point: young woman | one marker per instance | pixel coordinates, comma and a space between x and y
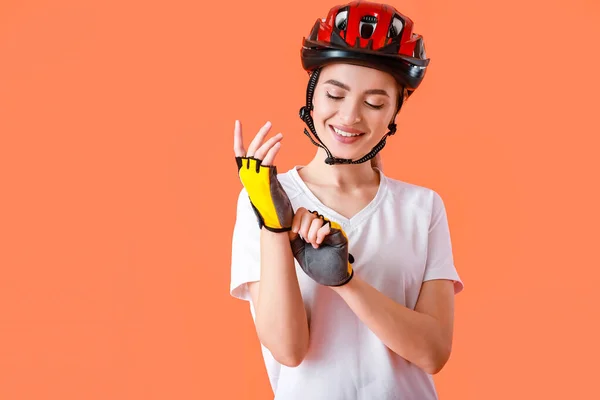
349, 273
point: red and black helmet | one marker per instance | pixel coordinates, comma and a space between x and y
369, 34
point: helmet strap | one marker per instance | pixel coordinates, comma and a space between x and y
305, 111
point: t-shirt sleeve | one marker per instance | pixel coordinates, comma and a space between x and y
245, 251
440, 261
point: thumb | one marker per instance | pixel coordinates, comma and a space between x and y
335, 238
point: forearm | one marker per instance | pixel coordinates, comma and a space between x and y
280, 314
415, 336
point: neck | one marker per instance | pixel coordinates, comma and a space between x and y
342, 176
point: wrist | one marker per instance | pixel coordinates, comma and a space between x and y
347, 287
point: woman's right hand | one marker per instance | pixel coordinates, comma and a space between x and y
329, 265
257, 149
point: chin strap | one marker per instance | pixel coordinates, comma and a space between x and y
307, 118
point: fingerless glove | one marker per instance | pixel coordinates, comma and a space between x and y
271, 204
328, 264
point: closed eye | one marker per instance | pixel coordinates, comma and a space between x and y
376, 107
333, 97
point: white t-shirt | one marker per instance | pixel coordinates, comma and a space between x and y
399, 240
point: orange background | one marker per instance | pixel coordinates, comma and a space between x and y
119, 190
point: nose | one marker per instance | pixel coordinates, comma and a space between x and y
350, 112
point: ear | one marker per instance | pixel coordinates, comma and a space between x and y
400, 100
393, 121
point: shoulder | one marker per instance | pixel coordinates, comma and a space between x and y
288, 183
406, 194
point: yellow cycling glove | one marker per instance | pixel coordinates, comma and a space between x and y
328, 264
268, 198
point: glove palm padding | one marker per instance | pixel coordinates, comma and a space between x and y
328, 264
269, 201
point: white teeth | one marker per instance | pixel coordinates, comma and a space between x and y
346, 134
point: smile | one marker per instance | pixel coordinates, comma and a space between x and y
345, 137
346, 134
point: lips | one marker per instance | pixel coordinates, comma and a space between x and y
346, 139
347, 129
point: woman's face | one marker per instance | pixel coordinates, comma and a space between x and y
353, 100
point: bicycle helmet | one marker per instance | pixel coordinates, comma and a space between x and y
369, 34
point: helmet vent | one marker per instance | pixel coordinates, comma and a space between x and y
419, 51
396, 27
341, 20
367, 26
369, 18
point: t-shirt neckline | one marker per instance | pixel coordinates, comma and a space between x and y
347, 223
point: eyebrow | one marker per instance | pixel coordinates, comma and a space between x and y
346, 87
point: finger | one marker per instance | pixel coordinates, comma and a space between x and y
335, 238
270, 157
258, 139
292, 235
323, 231
238, 141
297, 220
315, 225
307, 219
260, 153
